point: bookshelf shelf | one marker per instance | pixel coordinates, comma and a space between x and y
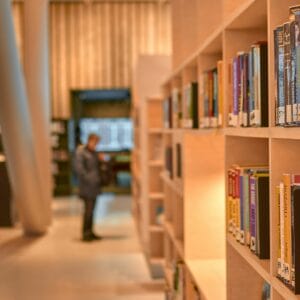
177, 243
210, 277
248, 132
197, 196
262, 267
156, 163
156, 228
155, 131
156, 196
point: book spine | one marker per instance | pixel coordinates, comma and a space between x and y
287, 72
241, 192
210, 97
229, 202
230, 93
251, 88
194, 104
292, 281
280, 77
238, 205
246, 207
220, 94
234, 204
206, 100
170, 112
263, 217
278, 235
263, 88
235, 92
287, 227
296, 210
282, 230
214, 121
257, 86
245, 90
293, 72
253, 213
240, 88
297, 65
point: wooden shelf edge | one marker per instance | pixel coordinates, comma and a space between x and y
156, 163
178, 244
283, 290
157, 261
156, 196
171, 183
258, 132
155, 130
251, 259
207, 275
156, 228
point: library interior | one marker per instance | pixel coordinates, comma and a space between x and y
148, 149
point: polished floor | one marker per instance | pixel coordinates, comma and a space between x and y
59, 266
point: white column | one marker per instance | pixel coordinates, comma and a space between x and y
36, 69
17, 129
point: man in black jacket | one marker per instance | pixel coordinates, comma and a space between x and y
88, 172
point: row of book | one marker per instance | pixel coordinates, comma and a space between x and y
287, 70
58, 127
248, 81
211, 100
288, 233
180, 110
178, 289
248, 207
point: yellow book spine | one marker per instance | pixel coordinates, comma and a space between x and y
229, 213
220, 93
278, 234
287, 227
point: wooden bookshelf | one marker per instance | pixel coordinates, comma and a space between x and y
195, 203
147, 164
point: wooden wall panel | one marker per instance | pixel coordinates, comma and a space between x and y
96, 45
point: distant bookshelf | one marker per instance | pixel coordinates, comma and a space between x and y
61, 160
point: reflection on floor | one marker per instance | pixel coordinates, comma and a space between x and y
58, 266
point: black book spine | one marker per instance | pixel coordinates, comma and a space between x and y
179, 169
264, 218
264, 85
287, 73
194, 99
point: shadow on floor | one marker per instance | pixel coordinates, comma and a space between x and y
106, 238
16, 245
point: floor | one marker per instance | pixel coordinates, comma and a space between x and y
60, 266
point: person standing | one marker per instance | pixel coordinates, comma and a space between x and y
88, 171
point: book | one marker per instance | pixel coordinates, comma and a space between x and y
190, 106
252, 213
220, 93
287, 72
279, 76
178, 160
278, 235
176, 107
282, 246
286, 179
295, 37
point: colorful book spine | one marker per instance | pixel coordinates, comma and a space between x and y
215, 113
220, 93
279, 76
286, 178
282, 230
235, 74
246, 207
278, 235
287, 72
241, 193
253, 213
245, 122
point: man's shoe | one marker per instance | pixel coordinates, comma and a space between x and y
87, 238
96, 237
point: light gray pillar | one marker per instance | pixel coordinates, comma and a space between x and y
36, 69
17, 130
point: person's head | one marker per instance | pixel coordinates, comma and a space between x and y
93, 141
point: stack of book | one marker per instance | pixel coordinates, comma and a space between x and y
248, 207
287, 70
288, 230
249, 88
190, 117
211, 102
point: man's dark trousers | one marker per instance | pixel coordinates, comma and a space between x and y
89, 207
